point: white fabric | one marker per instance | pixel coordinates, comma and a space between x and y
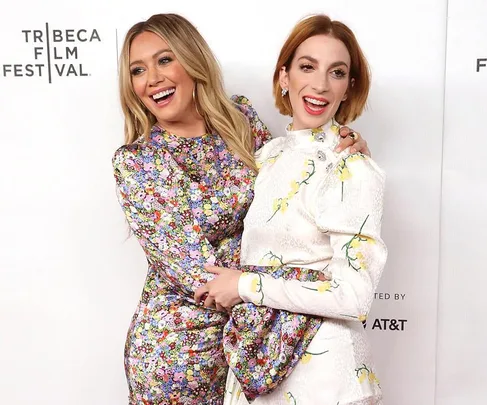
317, 209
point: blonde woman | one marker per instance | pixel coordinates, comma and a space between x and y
185, 181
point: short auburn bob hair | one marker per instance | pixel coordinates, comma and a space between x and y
359, 77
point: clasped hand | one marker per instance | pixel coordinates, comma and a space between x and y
221, 293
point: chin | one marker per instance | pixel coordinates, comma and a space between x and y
311, 124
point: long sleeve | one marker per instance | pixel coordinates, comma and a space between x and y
349, 210
154, 193
259, 129
154, 198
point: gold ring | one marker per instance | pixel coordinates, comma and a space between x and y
353, 135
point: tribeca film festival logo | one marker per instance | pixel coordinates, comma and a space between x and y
55, 53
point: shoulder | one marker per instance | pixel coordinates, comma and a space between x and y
127, 156
243, 104
270, 151
359, 168
353, 191
261, 132
141, 159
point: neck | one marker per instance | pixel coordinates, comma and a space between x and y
193, 127
299, 126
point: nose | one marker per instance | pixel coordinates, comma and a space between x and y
155, 76
321, 82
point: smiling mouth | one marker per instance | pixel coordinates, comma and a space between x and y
163, 95
315, 104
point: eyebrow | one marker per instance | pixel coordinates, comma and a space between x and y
136, 62
313, 60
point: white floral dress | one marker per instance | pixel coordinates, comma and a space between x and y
317, 209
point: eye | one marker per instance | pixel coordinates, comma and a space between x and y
306, 67
164, 60
136, 71
339, 73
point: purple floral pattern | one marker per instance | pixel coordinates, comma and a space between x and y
184, 199
263, 345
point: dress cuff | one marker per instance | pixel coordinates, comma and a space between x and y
250, 288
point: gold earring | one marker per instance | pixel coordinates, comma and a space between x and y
195, 102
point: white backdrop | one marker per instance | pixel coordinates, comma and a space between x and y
69, 276
462, 351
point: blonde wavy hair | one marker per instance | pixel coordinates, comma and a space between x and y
196, 57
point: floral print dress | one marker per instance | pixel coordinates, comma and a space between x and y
185, 200
318, 210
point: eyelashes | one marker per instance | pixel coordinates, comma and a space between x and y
163, 60
136, 71
338, 73
306, 67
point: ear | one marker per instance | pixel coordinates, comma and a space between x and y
352, 83
284, 78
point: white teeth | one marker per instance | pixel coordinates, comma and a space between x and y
315, 102
163, 94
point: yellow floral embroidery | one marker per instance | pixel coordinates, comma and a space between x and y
368, 240
256, 287
294, 187
362, 318
306, 358
270, 259
363, 373
290, 398
342, 169
314, 132
324, 286
270, 160
344, 175
354, 243
281, 204
308, 355
361, 260
356, 156
253, 285
357, 261
238, 392
373, 378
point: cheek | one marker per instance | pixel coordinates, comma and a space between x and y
138, 84
185, 79
298, 81
296, 86
186, 85
341, 90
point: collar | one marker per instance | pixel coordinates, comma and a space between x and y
327, 135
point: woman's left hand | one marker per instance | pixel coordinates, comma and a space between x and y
354, 140
222, 291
